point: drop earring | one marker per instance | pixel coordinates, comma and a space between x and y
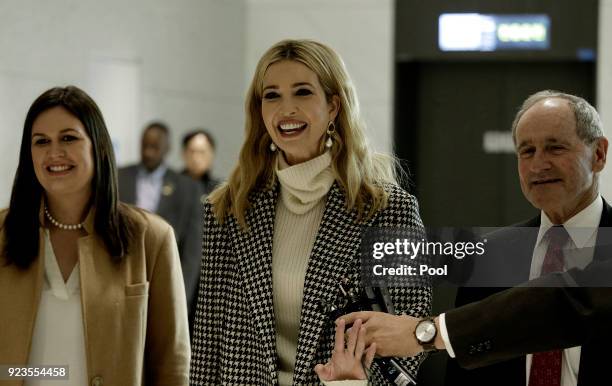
331, 128
273, 146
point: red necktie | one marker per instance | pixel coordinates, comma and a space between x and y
546, 366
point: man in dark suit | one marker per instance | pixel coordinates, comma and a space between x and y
151, 185
561, 151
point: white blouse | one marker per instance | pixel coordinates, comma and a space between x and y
58, 337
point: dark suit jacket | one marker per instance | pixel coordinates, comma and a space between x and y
180, 206
525, 320
207, 183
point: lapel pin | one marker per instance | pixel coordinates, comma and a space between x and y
168, 189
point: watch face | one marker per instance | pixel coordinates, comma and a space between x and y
425, 331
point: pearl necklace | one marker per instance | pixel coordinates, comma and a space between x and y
59, 224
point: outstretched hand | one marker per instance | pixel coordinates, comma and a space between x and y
392, 334
348, 362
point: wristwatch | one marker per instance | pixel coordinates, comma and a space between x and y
425, 333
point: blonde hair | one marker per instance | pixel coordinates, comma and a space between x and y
360, 173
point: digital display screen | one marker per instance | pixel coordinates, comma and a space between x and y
486, 32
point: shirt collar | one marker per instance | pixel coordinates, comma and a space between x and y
156, 174
580, 227
61, 290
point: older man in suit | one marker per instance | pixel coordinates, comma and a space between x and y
153, 186
561, 150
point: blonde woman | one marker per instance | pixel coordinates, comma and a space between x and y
284, 230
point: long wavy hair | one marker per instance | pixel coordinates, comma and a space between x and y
360, 173
22, 223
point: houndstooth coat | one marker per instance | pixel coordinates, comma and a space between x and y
234, 335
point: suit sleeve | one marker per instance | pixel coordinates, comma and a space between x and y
167, 341
539, 317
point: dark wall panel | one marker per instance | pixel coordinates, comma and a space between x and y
573, 27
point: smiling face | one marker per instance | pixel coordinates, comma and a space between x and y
557, 170
295, 110
62, 154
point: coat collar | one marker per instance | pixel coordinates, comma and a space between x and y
328, 265
603, 249
605, 221
253, 249
527, 237
25, 288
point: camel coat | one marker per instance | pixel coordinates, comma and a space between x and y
134, 312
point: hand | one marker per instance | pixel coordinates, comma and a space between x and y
346, 363
392, 334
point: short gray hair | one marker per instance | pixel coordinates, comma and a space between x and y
588, 123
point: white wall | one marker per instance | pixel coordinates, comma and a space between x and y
189, 63
361, 31
180, 61
604, 86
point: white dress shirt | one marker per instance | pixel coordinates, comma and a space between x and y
149, 187
582, 229
58, 336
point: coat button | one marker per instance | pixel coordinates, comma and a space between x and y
97, 381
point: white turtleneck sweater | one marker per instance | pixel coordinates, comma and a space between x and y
298, 215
